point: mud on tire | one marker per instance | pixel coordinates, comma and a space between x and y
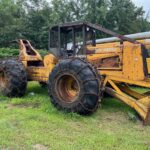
13, 78
74, 86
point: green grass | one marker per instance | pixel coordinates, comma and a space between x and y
32, 122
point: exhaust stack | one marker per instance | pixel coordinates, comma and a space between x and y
137, 36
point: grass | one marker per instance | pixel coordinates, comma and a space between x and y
32, 122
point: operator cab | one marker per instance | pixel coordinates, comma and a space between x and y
70, 39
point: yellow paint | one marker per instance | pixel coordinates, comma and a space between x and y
148, 65
38, 69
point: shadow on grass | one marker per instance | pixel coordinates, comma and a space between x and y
36, 88
113, 104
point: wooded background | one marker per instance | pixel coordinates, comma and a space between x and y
31, 19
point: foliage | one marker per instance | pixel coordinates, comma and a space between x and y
124, 17
9, 52
11, 21
32, 19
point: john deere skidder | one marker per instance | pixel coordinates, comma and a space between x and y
79, 69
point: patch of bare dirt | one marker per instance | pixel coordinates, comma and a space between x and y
39, 147
12, 106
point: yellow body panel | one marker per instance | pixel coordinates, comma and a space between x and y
130, 61
42, 73
148, 64
38, 69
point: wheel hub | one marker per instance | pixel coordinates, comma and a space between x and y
67, 88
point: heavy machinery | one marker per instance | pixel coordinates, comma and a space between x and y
79, 69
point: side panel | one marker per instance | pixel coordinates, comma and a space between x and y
133, 64
148, 65
106, 56
41, 73
120, 60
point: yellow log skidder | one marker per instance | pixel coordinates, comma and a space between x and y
79, 69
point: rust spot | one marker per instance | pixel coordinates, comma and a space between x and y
106, 62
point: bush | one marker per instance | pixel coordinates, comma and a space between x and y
43, 52
10, 52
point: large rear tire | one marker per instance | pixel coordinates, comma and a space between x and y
13, 78
74, 86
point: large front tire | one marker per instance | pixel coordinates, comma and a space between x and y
13, 78
74, 86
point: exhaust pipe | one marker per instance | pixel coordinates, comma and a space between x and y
137, 36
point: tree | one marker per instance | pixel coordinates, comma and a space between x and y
89, 10
37, 22
124, 16
96, 11
11, 21
31, 19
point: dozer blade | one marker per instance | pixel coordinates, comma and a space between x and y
147, 120
139, 102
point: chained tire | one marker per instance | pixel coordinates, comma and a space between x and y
13, 78
74, 86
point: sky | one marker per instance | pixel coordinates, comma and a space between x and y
144, 3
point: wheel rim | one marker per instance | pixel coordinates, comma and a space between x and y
67, 88
3, 80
